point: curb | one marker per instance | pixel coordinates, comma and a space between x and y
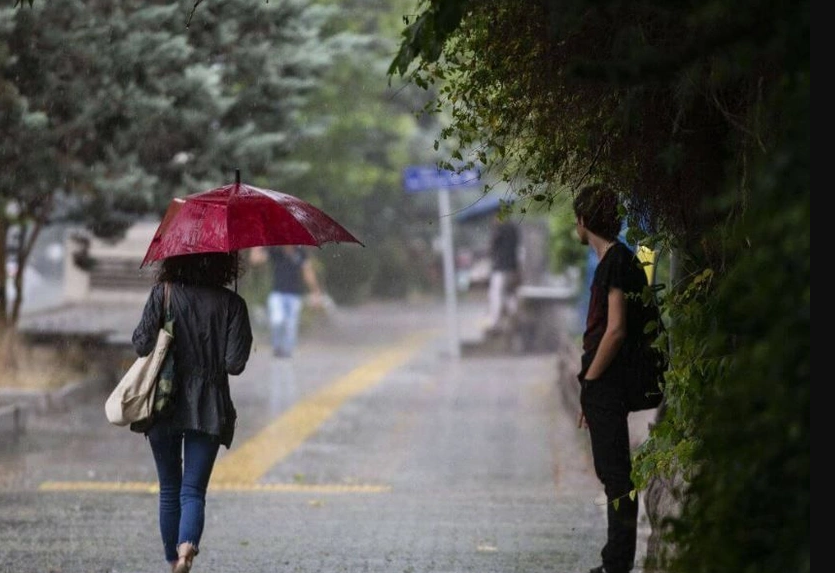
16, 405
13, 420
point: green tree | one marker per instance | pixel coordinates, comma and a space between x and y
698, 115
117, 107
363, 132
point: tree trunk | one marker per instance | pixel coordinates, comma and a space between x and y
10, 315
662, 497
8, 351
662, 500
24, 250
4, 226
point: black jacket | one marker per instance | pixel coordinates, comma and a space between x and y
503, 247
212, 339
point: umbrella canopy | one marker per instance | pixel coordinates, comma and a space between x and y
239, 216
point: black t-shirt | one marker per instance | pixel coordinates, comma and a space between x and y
503, 247
619, 268
287, 270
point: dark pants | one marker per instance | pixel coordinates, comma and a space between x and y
606, 416
184, 463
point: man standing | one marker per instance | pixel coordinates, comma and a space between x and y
614, 326
293, 277
504, 273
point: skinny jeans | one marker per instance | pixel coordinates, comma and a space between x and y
184, 462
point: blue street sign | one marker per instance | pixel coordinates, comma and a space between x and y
418, 178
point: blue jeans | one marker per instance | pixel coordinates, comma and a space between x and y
184, 463
285, 310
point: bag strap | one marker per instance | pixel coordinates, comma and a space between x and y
167, 301
656, 288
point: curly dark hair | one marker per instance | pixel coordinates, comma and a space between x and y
204, 269
599, 208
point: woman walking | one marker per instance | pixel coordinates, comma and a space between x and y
212, 339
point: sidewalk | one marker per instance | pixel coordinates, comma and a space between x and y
477, 463
487, 468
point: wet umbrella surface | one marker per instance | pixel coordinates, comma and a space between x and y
239, 216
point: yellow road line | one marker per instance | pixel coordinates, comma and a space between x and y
153, 487
128, 486
241, 468
251, 460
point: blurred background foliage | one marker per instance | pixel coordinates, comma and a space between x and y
116, 107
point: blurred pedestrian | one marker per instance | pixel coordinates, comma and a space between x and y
212, 339
504, 272
614, 326
293, 276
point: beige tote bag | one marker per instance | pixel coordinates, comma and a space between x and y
133, 398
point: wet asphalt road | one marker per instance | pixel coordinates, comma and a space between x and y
371, 450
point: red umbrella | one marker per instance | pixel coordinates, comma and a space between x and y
239, 216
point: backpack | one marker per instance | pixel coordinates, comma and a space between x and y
648, 364
646, 388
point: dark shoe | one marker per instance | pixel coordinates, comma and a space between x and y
602, 569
